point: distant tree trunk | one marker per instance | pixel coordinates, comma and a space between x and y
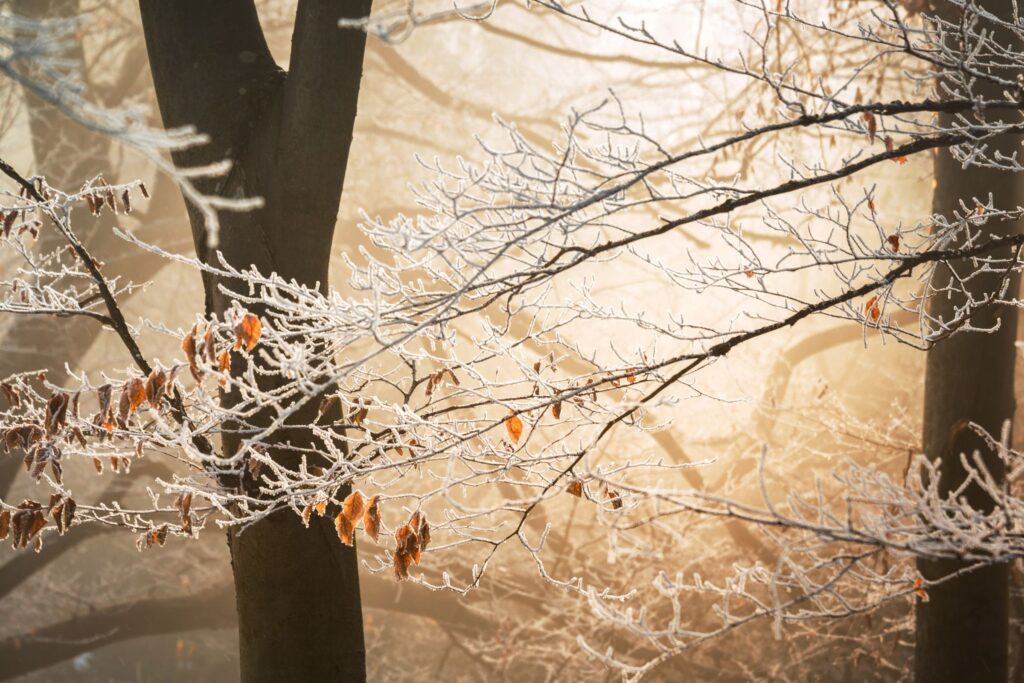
962, 631
67, 154
288, 134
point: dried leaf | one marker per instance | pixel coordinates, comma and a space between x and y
5, 524
423, 532
919, 590
514, 427
872, 310
353, 507
329, 405
136, 391
407, 549
56, 412
872, 125
371, 519
155, 386
209, 347
188, 345
247, 332
894, 242
185, 504
556, 410
360, 415
345, 528
575, 488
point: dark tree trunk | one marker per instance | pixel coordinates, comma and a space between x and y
288, 134
962, 631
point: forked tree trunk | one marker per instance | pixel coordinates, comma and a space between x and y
288, 134
962, 630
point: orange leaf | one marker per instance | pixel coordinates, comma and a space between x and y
556, 410
155, 385
575, 487
919, 590
871, 309
188, 345
345, 528
353, 506
371, 519
514, 426
407, 549
136, 391
247, 332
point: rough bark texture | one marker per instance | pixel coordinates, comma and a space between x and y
288, 134
962, 631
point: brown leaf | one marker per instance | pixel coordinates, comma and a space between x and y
247, 332
329, 405
360, 415
575, 487
894, 242
188, 345
345, 528
136, 391
56, 412
155, 386
402, 563
11, 394
371, 519
209, 346
556, 410
514, 427
306, 513
614, 497
353, 506
872, 126
5, 524
423, 532
67, 515
407, 549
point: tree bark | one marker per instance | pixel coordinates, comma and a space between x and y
288, 136
962, 630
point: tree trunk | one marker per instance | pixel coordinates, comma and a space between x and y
962, 630
288, 135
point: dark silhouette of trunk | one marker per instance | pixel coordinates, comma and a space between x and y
962, 631
288, 135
